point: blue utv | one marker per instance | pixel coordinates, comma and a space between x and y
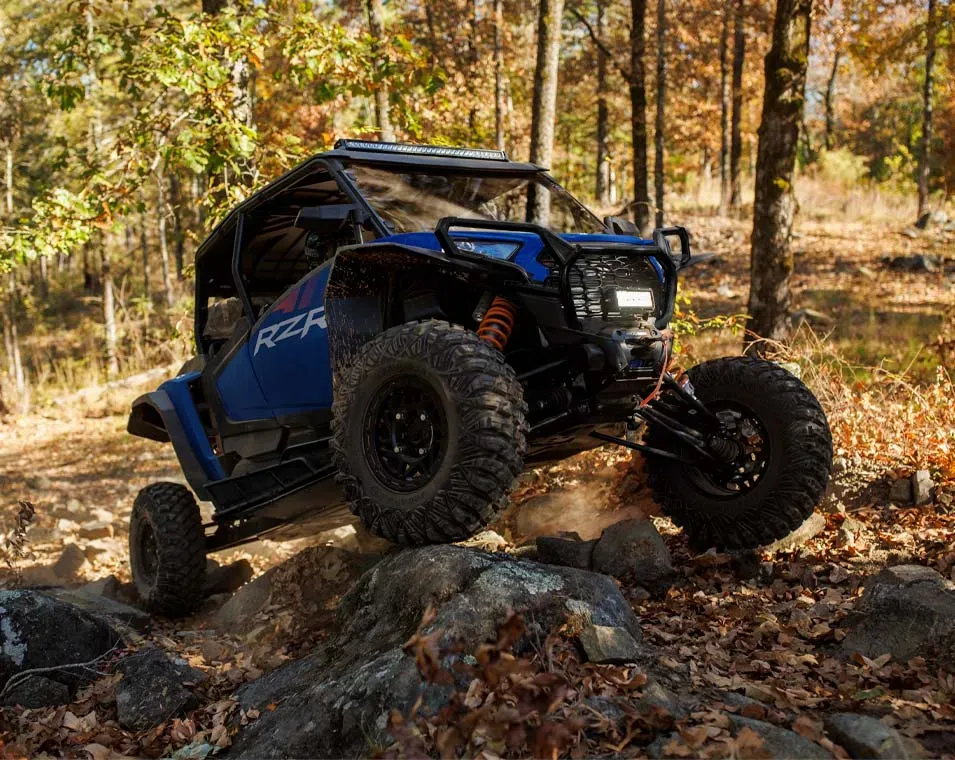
396, 331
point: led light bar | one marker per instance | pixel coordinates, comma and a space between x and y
410, 149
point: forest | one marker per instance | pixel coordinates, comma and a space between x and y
809, 148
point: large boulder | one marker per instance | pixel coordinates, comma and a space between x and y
780, 742
40, 631
868, 737
906, 611
336, 701
634, 551
151, 689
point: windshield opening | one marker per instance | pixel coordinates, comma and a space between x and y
414, 201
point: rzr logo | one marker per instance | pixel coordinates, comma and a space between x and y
290, 328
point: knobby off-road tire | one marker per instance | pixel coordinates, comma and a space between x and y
796, 471
167, 549
478, 428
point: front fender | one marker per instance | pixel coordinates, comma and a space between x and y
169, 415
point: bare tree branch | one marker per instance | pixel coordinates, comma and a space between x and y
621, 69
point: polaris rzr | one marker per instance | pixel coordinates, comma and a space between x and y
381, 333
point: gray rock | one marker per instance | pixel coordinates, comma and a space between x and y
655, 694
40, 631
151, 690
867, 737
335, 702
907, 610
932, 219
105, 607
604, 644
71, 561
900, 492
566, 552
108, 588
225, 580
811, 528
850, 529
634, 551
780, 742
37, 691
922, 485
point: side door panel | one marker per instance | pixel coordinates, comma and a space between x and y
288, 349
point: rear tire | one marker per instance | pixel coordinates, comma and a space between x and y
429, 433
796, 469
167, 549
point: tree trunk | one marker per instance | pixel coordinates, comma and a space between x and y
144, 245
638, 115
109, 319
736, 141
8, 182
603, 120
658, 137
771, 260
376, 26
830, 89
545, 103
472, 65
925, 143
16, 360
179, 235
163, 238
725, 110
500, 96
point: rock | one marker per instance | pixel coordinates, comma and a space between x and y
150, 690
66, 527
96, 548
486, 540
343, 537
746, 565
566, 552
922, 485
38, 482
39, 576
69, 564
655, 694
900, 492
811, 528
319, 575
96, 529
907, 610
108, 588
102, 605
932, 219
604, 644
865, 736
911, 233
793, 368
37, 691
336, 701
850, 529
634, 551
102, 515
780, 742
918, 262
225, 580
39, 631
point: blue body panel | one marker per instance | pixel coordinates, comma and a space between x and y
530, 245
177, 390
284, 367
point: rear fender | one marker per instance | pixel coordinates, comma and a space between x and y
364, 296
169, 414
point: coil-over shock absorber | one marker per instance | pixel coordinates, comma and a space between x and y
498, 323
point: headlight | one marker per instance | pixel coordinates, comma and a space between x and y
492, 249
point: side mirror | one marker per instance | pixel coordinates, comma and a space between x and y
663, 235
619, 225
330, 218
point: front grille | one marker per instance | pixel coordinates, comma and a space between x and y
593, 277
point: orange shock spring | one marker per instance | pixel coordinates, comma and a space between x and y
498, 323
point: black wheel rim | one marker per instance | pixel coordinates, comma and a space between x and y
405, 434
744, 445
148, 553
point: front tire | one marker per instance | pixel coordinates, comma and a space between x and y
167, 549
779, 491
429, 433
